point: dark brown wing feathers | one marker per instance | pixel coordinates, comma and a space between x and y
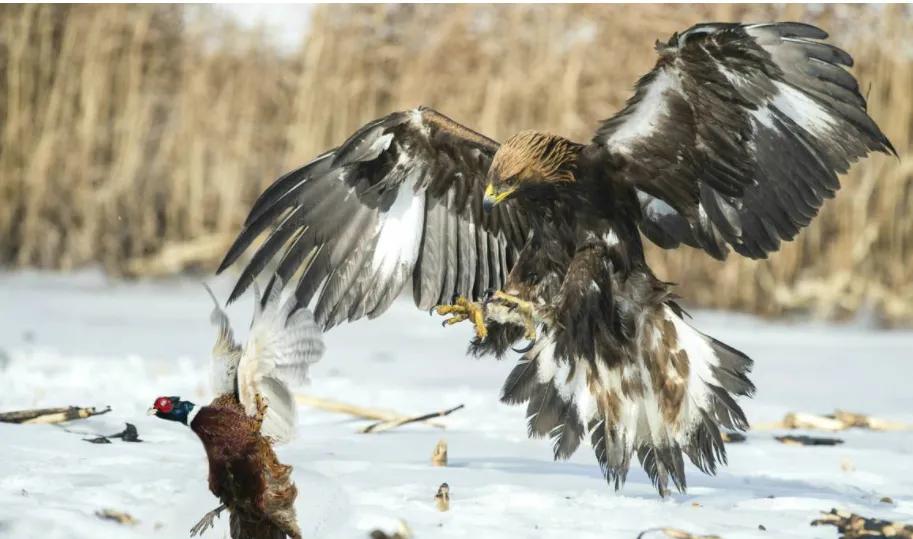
399, 200
738, 135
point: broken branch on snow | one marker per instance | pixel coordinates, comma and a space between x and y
46, 416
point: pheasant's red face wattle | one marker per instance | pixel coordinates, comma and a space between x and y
163, 404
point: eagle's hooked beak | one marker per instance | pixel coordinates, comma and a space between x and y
492, 198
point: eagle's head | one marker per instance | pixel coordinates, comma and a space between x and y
530, 163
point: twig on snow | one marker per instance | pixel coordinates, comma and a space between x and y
387, 425
675, 533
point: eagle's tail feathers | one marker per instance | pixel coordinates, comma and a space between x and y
664, 397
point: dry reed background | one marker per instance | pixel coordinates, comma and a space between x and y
136, 137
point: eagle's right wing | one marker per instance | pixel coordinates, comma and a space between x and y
400, 199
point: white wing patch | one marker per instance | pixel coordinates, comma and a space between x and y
279, 351
400, 235
648, 113
803, 110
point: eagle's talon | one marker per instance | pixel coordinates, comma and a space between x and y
463, 309
525, 349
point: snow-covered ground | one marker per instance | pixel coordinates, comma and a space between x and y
84, 340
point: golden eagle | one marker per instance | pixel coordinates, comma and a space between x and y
733, 140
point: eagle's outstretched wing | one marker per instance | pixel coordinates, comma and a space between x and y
400, 199
738, 134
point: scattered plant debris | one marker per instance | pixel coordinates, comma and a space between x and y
839, 420
439, 456
402, 532
129, 434
385, 418
387, 425
442, 498
675, 533
733, 437
98, 440
117, 516
853, 526
808, 440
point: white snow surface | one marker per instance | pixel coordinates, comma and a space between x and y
82, 339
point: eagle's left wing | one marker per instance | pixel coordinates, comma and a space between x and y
738, 134
400, 200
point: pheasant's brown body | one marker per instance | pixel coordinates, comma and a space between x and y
244, 472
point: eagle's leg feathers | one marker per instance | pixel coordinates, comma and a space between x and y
526, 309
464, 309
207, 521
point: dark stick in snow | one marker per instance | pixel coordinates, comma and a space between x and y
387, 425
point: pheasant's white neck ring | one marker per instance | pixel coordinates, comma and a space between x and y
194, 410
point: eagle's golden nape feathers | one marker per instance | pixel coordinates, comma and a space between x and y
534, 156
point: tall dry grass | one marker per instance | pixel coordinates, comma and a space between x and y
137, 137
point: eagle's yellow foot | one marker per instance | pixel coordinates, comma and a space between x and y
463, 309
526, 309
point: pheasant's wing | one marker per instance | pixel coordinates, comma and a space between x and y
281, 347
400, 200
225, 352
738, 135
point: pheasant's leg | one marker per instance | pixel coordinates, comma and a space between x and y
527, 310
463, 309
207, 521
261, 409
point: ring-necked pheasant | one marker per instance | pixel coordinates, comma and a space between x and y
253, 409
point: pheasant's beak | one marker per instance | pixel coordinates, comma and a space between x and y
493, 198
151, 411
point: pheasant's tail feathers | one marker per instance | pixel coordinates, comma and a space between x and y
279, 498
664, 396
242, 526
276, 516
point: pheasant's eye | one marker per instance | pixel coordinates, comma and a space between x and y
163, 404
